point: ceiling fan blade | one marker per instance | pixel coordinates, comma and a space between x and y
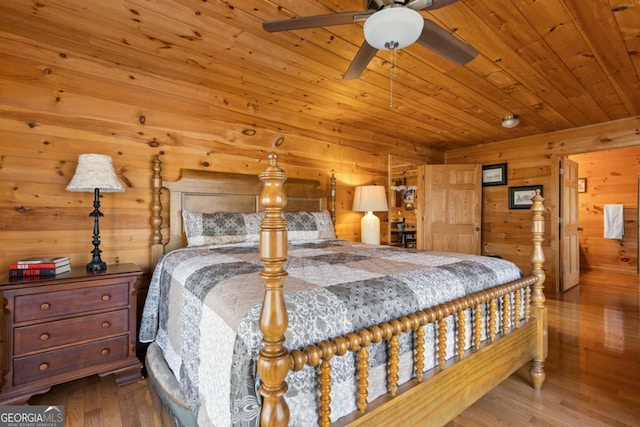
360, 61
446, 44
316, 21
413, 4
437, 4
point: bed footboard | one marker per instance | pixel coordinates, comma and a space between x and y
484, 364
504, 310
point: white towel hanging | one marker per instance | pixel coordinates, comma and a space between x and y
613, 221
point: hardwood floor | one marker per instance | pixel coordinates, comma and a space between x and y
593, 372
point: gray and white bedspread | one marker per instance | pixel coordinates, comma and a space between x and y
203, 305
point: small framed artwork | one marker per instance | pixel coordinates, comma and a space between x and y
520, 197
494, 174
409, 197
582, 185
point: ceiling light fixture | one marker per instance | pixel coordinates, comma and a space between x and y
510, 121
393, 28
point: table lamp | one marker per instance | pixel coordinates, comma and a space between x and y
95, 173
370, 198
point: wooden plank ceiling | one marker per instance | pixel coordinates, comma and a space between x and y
555, 63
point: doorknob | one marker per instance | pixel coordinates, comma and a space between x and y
580, 229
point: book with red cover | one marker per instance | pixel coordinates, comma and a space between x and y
28, 272
24, 266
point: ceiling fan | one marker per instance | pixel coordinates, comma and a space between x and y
389, 25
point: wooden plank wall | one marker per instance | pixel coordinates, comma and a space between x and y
534, 160
58, 99
611, 177
59, 102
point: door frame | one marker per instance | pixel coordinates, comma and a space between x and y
552, 204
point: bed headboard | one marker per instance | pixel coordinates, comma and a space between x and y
206, 191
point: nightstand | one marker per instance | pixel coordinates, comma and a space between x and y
61, 328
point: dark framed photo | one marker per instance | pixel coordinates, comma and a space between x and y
520, 197
494, 174
582, 185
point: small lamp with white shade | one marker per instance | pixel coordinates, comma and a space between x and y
95, 173
369, 199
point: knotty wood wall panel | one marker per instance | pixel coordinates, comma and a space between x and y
535, 160
57, 103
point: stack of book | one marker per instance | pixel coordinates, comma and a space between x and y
39, 266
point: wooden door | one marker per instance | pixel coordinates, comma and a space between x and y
569, 239
450, 208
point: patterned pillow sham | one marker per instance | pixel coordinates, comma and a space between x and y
221, 227
229, 227
309, 226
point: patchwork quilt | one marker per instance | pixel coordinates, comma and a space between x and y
204, 302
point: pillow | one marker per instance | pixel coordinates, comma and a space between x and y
309, 226
221, 227
326, 228
229, 227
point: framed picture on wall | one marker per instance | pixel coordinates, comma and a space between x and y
494, 174
520, 197
582, 185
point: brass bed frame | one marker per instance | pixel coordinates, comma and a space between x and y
436, 396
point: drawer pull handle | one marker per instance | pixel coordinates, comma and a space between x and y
106, 297
106, 325
45, 306
105, 351
43, 366
44, 337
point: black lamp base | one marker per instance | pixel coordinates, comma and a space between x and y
96, 264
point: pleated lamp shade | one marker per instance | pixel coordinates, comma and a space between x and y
95, 171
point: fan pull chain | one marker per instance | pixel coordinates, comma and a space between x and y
392, 76
392, 46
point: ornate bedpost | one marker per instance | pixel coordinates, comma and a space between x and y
273, 360
332, 198
538, 309
157, 248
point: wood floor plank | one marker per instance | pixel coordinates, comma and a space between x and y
110, 403
74, 415
93, 418
128, 408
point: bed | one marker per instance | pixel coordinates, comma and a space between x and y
272, 320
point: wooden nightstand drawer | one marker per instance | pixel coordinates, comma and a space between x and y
44, 365
53, 304
65, 327
77, 329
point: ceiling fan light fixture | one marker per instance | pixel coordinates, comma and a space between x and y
510, 121
393, 28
